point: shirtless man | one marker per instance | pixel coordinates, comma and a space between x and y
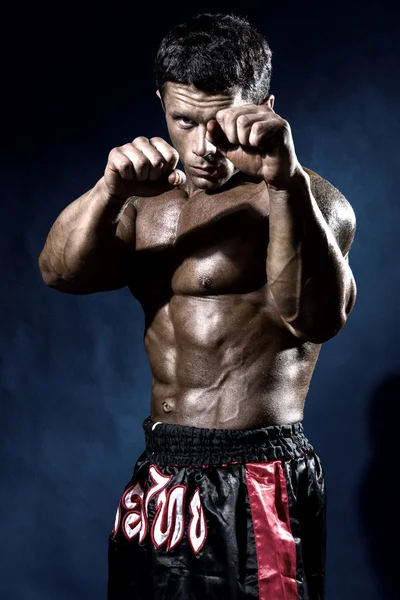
240, 264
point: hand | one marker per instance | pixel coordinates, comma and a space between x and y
257, 141
144, 167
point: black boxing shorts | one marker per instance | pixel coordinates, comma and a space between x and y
214, 514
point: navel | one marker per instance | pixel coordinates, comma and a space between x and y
206, 282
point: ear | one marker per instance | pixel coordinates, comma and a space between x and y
270, 101
161, 100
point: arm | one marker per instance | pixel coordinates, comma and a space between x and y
312, 228
91, 244
311, 225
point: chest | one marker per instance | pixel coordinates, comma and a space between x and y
208, 244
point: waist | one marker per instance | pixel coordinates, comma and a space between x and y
242, 403
170, 444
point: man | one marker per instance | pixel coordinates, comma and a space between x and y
241, 266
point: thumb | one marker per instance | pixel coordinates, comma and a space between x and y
177, 178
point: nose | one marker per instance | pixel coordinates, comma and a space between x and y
202, 147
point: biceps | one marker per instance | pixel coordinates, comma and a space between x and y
114, 268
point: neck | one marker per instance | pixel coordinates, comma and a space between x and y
235, 180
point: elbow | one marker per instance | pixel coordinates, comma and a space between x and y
52, 281
319, 327
351, 297
51, 278
315, 332
44, 270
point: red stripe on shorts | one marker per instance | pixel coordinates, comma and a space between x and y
275, 545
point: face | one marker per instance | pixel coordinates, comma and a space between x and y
187, 111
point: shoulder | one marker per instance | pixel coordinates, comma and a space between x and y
336, 209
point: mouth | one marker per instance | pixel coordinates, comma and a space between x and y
205, 172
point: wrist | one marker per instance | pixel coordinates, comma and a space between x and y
105, 196
298, 182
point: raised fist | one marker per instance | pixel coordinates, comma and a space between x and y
144, 167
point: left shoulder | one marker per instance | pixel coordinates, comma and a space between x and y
336, 209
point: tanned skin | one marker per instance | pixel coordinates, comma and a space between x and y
226, 348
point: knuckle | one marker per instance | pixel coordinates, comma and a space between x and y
113, 154
173, 155
124, 165
140, 162
170, 156
165, 151
243, 120
228, 114
157, 140
219, 116
158, 163
258, 126
141, 139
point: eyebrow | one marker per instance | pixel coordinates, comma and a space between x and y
178, 115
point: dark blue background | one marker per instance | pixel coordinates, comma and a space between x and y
74, 379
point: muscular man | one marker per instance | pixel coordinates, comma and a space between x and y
240, 264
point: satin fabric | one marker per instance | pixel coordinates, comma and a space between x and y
191, 532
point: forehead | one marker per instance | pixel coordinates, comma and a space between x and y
196, 103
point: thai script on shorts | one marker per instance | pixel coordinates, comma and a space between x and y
168, 526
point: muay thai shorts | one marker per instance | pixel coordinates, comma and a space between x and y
214, 514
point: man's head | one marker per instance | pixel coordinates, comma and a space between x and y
209, 63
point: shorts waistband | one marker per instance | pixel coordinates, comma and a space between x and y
182, 445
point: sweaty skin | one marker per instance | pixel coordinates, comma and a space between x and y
195, 257
219, 352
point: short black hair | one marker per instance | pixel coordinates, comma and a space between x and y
216, 53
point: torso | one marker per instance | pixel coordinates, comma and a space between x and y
219, 352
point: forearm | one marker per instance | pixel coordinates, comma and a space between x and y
81, 235
310, 280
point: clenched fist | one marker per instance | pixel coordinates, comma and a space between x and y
144, 167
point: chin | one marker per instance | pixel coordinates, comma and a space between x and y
206, 184
210, 184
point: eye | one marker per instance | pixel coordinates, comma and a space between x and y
185, 123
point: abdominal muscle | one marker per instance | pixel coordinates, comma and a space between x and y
226, 362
